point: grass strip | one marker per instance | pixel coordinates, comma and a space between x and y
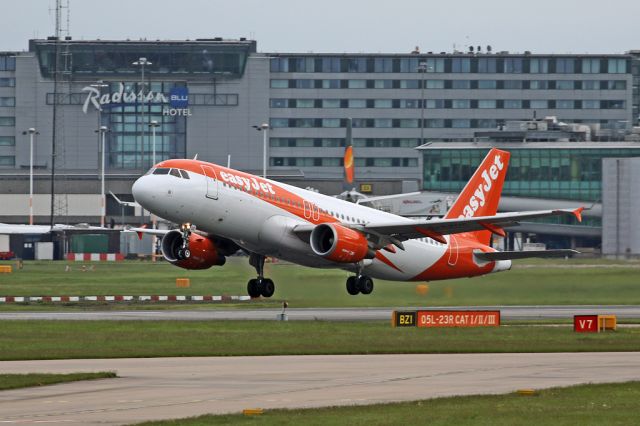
17, 381
593, 404
43, 339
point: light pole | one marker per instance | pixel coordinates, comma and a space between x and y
102, 130
142, 62
31, 131
264, 128
153, 124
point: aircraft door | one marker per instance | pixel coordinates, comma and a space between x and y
307, 209
212, 182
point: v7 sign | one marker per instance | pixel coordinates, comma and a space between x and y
585, 323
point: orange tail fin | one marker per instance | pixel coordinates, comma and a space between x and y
481, 195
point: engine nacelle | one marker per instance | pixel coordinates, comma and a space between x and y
203, 252
339, 244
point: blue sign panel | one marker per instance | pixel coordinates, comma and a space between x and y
179, 97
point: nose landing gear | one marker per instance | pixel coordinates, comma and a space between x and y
184, 252
260, 286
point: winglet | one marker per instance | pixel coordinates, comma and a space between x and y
578, 213
140, 233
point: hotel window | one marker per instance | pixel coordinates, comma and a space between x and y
460, 123
461, 65
539, 66
486, 103
564, 104
564, 85
435, 84
7, 63
304, 84
434, 103
279, 122
331, 122
435, 65
590, 66
357, 103
565, 66
460, 103
7, 82
382, 84
408, 64
409, 103
279, 103
590, 84
461, 84
612, 104
382, 103
7, 160
487, 65
539, 84
382, 122
512, 104
329, 64
305, 103
513, 84
7, 121
7, 140
383, 65
487, 84
357, 84
409, 84
487, 124
513, 65
409, 122
331, 103
538, 104
617, 85
357, 64
279, 84
617, 66
7, 101
590, 104
330, 84
434, 123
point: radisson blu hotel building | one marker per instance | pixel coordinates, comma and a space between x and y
417, 118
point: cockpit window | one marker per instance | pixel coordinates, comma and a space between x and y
150, 171
161, 171
184, 174
175, 172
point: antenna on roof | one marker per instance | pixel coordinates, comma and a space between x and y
195, 157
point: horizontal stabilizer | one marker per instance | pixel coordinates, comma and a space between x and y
510, 255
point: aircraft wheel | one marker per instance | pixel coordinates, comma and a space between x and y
365, 284
352, 287
268, 287
187, 253
253, 288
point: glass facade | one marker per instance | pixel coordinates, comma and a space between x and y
127, 148
116, 58
574, 174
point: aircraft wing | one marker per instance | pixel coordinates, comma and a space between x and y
143, 230
436, 228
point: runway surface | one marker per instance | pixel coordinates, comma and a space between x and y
324, 314
160, 388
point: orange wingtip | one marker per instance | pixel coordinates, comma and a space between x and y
578, 213
140, 233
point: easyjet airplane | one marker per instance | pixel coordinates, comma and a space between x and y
222, 210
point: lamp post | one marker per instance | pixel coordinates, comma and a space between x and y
102, 130
153, 124
31, 131
142, 62
264, 128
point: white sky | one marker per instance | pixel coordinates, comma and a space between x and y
389, 26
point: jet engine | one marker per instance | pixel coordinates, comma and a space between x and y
340, 244
199, 253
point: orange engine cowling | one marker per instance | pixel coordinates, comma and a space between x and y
203, 252
340, 244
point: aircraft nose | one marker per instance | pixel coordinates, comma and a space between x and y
141, 190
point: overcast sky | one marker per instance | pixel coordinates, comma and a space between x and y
389, 26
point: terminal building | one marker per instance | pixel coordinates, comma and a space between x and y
165, 99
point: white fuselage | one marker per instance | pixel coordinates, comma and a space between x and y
260, 214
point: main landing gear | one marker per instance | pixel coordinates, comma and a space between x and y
260, 286
359, 284
183, 251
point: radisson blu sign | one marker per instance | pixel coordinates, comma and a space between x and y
178, 100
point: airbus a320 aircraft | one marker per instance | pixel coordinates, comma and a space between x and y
222, 210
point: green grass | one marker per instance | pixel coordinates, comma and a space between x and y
594, 404
17, 381
575, 281
120, 339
